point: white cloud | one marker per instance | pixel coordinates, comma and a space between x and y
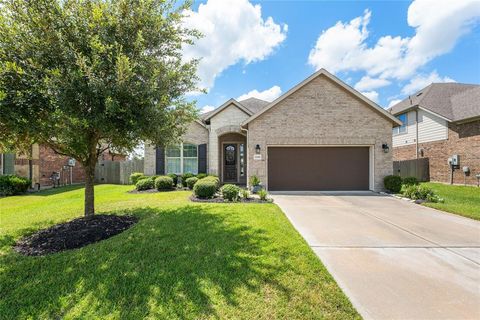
337, 45
393, 102
367, 83
372, 95
422, 80
234, 31
206, 109
267, 95
344, 46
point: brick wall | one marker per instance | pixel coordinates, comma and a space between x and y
49, 162
463, 139
196, 134
321, 113
228, 120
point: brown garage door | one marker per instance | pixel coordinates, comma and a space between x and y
318, 168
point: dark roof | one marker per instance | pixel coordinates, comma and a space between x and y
206, 114
252, 104
454, 101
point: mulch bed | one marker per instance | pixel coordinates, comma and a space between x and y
219, 199
73, 234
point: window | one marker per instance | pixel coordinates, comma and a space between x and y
182, 158
403, 128
190, 158
173, 159
242, 159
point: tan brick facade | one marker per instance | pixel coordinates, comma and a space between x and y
463, 139
321, 113
228, 120
196, 134
149, 160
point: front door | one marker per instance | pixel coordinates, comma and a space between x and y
230, 173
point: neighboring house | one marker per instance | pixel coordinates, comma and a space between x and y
43, 163
320, 135
440, 121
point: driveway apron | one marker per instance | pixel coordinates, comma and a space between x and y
394, 259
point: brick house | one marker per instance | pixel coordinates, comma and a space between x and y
320, 135
43, 162
440, 121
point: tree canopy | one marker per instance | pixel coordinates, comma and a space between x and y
83, 75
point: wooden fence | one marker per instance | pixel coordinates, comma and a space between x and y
418, 168
117, 172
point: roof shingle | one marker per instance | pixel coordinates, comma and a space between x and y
454, 101
252, 104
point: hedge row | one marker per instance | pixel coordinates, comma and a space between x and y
12, 184
394, 183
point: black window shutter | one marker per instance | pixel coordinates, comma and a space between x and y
202, 158
160, 160
9, 163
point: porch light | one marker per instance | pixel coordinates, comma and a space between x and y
385, 148
257, 149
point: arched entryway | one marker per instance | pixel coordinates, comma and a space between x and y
233, 158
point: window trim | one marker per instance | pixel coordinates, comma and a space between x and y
181, 157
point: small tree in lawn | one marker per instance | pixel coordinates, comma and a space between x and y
83, 75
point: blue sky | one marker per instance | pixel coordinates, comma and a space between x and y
266, 47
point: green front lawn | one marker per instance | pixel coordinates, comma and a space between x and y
182, 260
461, 200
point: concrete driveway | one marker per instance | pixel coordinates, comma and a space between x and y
394, 259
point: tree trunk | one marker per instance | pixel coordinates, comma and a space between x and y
89, 190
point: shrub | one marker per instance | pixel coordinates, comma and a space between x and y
213, 179
245, 193
134, 177
191, 182
145, 184
254, 181
205, 188
263, 194
185, 176
410, 181
434, 198
415, 192
410, 192
230, 192
201, 175
174, 178
393, 183
164, 183
11, 185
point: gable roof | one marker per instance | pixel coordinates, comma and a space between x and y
342, 84
254, 104
451, 101
211, 114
